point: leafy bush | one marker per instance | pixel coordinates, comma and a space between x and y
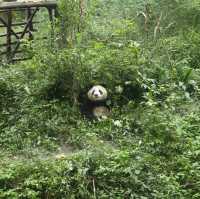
147, 148
89, 175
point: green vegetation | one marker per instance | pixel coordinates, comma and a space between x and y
149, 147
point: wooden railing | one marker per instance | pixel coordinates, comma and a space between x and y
12, 39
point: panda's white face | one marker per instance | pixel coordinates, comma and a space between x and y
97, 93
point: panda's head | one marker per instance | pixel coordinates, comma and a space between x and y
97, 93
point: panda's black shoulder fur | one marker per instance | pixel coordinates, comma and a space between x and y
88, 106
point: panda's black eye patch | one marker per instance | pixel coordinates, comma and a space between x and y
93, 92
101, 92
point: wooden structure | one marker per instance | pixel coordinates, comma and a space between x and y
12, 38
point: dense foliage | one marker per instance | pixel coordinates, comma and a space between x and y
146, 53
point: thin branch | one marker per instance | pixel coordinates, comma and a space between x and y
145, 20
157, 27
94, 188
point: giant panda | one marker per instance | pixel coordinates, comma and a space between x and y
95, 106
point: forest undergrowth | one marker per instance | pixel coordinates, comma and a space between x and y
146, 53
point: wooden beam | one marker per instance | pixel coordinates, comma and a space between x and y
14, 9
20, 59
13, 5
5, 44
18, 33
20, 24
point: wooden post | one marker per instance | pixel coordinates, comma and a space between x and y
56, 14
50, 14
30, 27
50, 11
8, 28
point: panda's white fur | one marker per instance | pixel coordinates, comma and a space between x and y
101, 112
97, 93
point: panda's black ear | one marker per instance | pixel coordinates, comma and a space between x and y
89, 86
104, 85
